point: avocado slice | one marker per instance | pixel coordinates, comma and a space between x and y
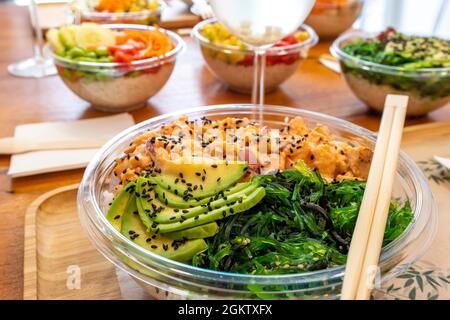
179, 202
135, 230
54, 40
152, 210
115, 212
199, 232
67, 36
246, 203
199, 179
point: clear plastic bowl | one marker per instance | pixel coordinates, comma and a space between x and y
118, 87
428, 89
83, 12
234, 66
331, 19
167, 279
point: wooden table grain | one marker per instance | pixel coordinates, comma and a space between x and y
313, 87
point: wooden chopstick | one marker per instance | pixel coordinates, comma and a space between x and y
364, 221
370, 266
360, 238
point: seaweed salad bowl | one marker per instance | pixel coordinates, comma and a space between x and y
167, 279
372, 72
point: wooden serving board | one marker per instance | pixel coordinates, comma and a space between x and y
59, 260
56, 247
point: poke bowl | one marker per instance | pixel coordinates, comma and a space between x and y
330, 18
146, 12
374, 65
232, 62
115, 67
189, 267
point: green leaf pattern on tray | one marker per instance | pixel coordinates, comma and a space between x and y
419, 282
434, 171
422, 280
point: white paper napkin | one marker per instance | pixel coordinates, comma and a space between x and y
37, 162
444, 161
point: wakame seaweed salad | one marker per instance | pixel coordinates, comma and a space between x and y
409, 53
302, 224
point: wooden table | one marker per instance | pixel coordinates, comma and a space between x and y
28, 100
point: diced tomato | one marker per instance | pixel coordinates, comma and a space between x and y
290, 39
120, 56
248, 60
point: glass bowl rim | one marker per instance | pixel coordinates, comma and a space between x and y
180, 46
310, 42
88, 185
337, 52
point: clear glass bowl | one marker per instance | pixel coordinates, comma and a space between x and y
167, 279
83, 12
117, 86
234, 66
428, 89
331, 19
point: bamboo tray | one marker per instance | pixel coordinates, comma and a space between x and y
56, 248
59, 260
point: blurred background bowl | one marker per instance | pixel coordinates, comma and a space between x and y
118, 87
332, 17
234, 66
83, 11
428, 89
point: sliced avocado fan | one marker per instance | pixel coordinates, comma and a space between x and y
175, 201
199, 180
162, 212
247, 202
146, 214
171, 213
133, 228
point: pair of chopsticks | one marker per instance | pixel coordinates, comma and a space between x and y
365, 248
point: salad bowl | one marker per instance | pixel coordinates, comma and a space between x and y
428, 87
117, 84
330, 18
233, 63
167, 279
